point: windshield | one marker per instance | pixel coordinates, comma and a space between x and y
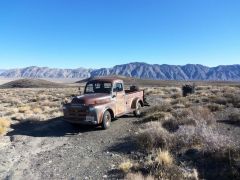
98, 87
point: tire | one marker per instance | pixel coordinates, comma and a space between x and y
106, 120
138, 112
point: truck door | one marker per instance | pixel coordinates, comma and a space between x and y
120, 98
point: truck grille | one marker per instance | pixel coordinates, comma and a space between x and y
77, 112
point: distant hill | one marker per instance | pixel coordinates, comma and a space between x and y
2, 70
136, 70
45, 72
157, 83
133, 81
31, 83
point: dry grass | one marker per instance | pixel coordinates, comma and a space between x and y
164, 158
138, 176
34, 104
235, 117
4, 124
158, 116
37, 110
153, 135
126, 166
24, 109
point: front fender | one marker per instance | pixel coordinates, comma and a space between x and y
104, 110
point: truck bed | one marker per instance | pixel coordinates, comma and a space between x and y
131, 95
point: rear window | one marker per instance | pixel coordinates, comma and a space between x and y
98, 87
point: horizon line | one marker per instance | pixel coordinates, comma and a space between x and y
88, 68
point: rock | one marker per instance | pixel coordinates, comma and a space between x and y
105, 176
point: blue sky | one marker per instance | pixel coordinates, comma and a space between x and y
103, 33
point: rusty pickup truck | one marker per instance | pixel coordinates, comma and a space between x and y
103, 100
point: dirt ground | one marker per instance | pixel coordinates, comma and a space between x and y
54, 149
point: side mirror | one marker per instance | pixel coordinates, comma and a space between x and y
113, 96
79, 89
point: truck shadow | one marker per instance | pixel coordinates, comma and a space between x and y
127, 145
55, 127
230, 122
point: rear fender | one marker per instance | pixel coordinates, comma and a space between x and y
135, 102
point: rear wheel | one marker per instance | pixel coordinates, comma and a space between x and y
106, 120
138, 110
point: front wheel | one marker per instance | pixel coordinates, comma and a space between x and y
106, 120
138, 109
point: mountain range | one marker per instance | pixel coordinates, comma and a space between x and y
135, 69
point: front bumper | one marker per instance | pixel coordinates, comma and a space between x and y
80, 120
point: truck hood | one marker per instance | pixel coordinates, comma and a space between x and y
92, 99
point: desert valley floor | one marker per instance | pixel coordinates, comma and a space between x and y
192, 137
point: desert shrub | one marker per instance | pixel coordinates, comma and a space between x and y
126, 166
14, 101
172, 125
24, 109
175, 89
203, 137
160, 164
164, 158
4, 124
181, 113
138, 176
10, 112
201, 88
233, 98
213, 107
191, 174
214, 164
37, 110
205, 99
220, 100
46, 109
18, 117
178, 106
154, 136
188, 89
163, 106
234, 117
56, 114
34, 117
155, 91
157, 116
175, 95
202, 115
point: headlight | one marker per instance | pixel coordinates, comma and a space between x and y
91, 109
64, 107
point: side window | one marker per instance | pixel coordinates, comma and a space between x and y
97, 85
108, 85
118, 87
89, 88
